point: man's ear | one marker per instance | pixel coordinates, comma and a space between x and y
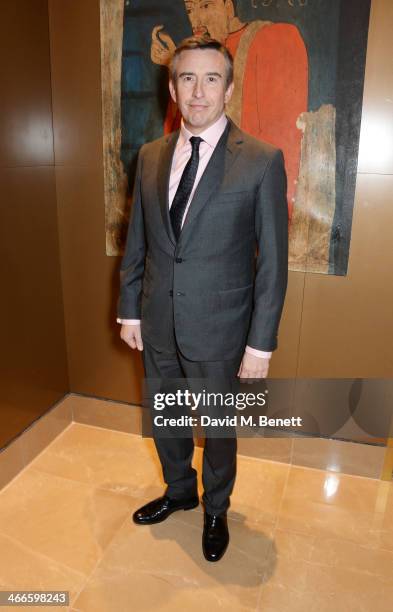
229, 92
172, 90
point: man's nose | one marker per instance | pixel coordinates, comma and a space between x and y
195, 16
198, 89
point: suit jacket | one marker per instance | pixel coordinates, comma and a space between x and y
223, 284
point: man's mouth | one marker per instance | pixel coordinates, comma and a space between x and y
201, 31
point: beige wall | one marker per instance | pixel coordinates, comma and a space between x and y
33, 361
99, 364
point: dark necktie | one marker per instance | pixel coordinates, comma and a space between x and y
184, 189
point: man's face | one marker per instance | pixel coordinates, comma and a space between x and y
208, 17
200, 89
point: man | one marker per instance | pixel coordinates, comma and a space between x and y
205, 198
270, 74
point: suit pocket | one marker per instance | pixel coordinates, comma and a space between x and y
231, 196
236, 297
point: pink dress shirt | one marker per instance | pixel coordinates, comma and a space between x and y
182, 153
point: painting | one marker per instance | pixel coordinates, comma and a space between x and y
299, 77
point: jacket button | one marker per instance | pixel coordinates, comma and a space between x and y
171, 293
178, 259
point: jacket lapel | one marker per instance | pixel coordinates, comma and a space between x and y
224, 155
164, 171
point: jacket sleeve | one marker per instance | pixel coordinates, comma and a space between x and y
133, 262
271, 226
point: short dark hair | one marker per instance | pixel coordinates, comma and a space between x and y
202, 42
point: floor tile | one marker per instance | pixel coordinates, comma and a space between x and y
300, 538
325, 503
162, 567
66, 521
119, 462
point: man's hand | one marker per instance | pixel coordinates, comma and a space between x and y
253, 367
131, 334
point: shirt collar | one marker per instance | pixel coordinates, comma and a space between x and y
211, 135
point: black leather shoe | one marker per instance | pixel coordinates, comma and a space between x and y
159, 509
215, 537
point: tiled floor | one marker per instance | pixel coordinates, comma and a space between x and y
300, 538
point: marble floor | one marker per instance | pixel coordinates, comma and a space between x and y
301, 538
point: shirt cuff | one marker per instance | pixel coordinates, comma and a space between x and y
128, 321
257, 353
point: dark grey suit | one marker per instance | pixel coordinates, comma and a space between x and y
207, 296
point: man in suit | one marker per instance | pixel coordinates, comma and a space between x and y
194, 296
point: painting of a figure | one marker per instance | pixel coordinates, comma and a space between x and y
298, 72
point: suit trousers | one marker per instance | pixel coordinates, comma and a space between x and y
176, 453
